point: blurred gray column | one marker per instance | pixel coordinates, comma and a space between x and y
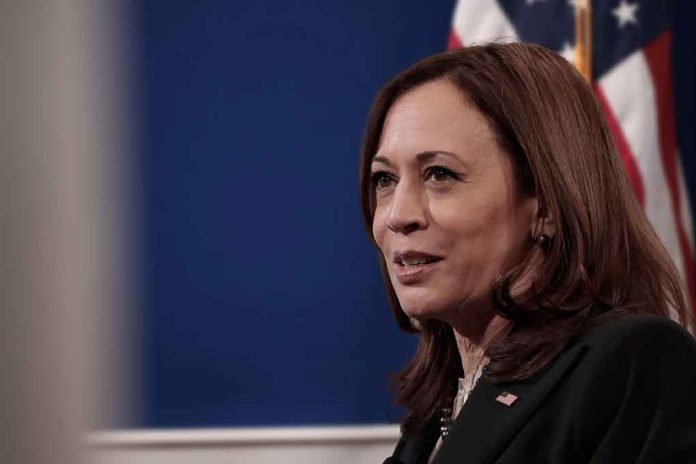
65, 225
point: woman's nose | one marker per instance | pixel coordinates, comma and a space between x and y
406, 213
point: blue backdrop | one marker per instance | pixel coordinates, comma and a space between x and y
263, 303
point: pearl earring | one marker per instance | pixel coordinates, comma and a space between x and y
542, 240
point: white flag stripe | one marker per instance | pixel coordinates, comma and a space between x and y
629, 91
477, 21
687, 223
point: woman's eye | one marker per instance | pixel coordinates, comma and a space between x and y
382, 179
439, 174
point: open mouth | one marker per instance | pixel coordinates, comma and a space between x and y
413, 258
412, 266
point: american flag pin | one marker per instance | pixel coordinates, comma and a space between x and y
506, 398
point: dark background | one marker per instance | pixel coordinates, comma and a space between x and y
262, 301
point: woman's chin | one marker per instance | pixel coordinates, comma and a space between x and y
440, 309
421, 313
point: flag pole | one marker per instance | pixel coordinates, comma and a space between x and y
583, 38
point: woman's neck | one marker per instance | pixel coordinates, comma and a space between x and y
473, 336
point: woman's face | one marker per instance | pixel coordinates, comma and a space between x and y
448, 217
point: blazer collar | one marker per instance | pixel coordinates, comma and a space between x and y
485, 426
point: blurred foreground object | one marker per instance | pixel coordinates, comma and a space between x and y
63, 178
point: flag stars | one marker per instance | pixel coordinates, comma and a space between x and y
626, 13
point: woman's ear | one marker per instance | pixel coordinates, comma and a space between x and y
543, 225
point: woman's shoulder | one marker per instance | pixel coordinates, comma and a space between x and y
625, 327
640, 337
631, 389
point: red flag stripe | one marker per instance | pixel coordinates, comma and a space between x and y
657, 55
453, 42
629, 160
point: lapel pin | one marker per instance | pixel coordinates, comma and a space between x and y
506, 398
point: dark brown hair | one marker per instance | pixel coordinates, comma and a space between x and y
604, 257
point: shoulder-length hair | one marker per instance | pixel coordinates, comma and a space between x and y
604, 256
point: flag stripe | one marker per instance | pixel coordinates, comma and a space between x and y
629, 91
481, 20
658, 59
453, 41
685, 207
629, 160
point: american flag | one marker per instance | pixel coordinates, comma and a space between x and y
631, 77
506, 398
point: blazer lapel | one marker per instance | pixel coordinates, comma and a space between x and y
486, 425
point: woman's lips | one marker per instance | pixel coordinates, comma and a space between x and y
411, 274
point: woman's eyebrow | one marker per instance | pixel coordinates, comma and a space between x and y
429, 155
383, 160
422, 157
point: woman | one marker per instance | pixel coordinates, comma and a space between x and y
511, 242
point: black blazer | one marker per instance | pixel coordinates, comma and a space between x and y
625, 393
